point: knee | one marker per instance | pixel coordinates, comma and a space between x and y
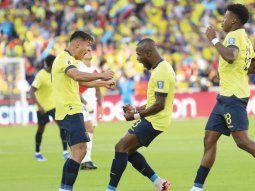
121, 147
90, 130
78, 152
82, 149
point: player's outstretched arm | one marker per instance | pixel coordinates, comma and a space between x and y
79, 76
228, 53
110, 84
251, 69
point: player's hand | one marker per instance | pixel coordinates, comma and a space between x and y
129, 116
211, 33
110, 84
41, 110
107, 75
128, 108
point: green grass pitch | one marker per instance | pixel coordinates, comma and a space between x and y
174, 155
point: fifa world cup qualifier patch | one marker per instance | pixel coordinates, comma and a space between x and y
160, 84
231, 41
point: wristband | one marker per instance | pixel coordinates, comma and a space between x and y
215, 41
137, 116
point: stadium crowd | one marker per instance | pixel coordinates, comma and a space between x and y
33, 29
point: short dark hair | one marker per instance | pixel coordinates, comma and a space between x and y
49, 60
146, 40
81, 35
240, 11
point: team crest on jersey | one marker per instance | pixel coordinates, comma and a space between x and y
231, 41
69, 62
160, 84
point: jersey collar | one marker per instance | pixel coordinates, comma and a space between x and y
68, 52
155, 66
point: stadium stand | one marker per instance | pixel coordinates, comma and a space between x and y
33, 29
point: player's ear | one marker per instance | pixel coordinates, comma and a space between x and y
149, 53
77, 44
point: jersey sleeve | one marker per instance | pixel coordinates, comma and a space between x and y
161, 83
69, 64
37, 82
233, 40
66, 63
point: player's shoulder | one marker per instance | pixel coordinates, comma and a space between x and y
62, 56
164, 67
237, 33
40, 73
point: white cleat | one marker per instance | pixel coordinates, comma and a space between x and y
162, 185
39, 157
196, 189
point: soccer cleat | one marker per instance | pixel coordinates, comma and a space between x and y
39, 157
66, 155
196, 189
88, 166
163, 185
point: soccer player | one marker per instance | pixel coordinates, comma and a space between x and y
229, 116
66, 79
41, 93
93, 103
153, 118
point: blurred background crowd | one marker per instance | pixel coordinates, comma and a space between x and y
32, 29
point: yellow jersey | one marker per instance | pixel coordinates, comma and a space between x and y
233, 77
161, 82
42, 83
65, 89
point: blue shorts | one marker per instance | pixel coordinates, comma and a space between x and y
145, 132
75, 129
43, 119
228, 115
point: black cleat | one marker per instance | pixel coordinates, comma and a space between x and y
88, 166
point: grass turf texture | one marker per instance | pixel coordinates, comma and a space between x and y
175, 155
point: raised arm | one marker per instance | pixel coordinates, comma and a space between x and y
230, 52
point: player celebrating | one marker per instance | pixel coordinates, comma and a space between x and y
92, 98
229, 115
41, 93
65, 81
153, 118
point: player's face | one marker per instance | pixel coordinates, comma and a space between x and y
82, 48
229, 20
142, 57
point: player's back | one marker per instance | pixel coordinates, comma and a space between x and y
44, 93
162, 81
233, 77
65, 89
